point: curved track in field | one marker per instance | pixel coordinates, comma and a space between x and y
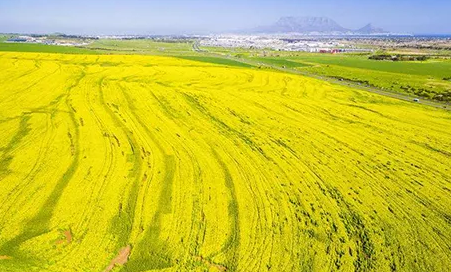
132, 163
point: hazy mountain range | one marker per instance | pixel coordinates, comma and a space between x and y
309, 25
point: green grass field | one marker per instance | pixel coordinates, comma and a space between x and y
217, 60
432, 68
425, 81
105, 47
143, 47
432, 88
29, 47
280, 62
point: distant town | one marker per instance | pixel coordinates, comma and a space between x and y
278, 42
281, 43
228, 41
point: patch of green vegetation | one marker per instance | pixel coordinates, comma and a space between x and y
281, 62
230, 51
399, 57
3, 38
429, 68
422, 86
143, 46
6, 158
29, 47
215, 60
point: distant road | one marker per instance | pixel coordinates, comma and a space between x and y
423, 101
197, 48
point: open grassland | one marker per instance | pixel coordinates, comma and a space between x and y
32, 47
138, 163
217, 60
280, 62
429, 79
433, 68
419, 86
143, 46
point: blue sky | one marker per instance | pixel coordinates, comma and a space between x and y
203, 16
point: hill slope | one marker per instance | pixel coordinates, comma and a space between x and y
370, 29
303, 25
312, 25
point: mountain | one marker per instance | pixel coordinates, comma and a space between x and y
370, 29
312, 25
303, 25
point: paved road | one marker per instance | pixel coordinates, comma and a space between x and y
423, 101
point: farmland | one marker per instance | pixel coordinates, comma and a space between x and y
428, 79
144, 46
27, 47
155, 163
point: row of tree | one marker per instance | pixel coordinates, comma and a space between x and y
399, 57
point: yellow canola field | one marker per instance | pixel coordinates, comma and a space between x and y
139, 163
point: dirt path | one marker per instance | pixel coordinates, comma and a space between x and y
120, 259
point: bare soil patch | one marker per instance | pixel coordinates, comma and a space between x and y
68, 237
211, 264
120, 259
